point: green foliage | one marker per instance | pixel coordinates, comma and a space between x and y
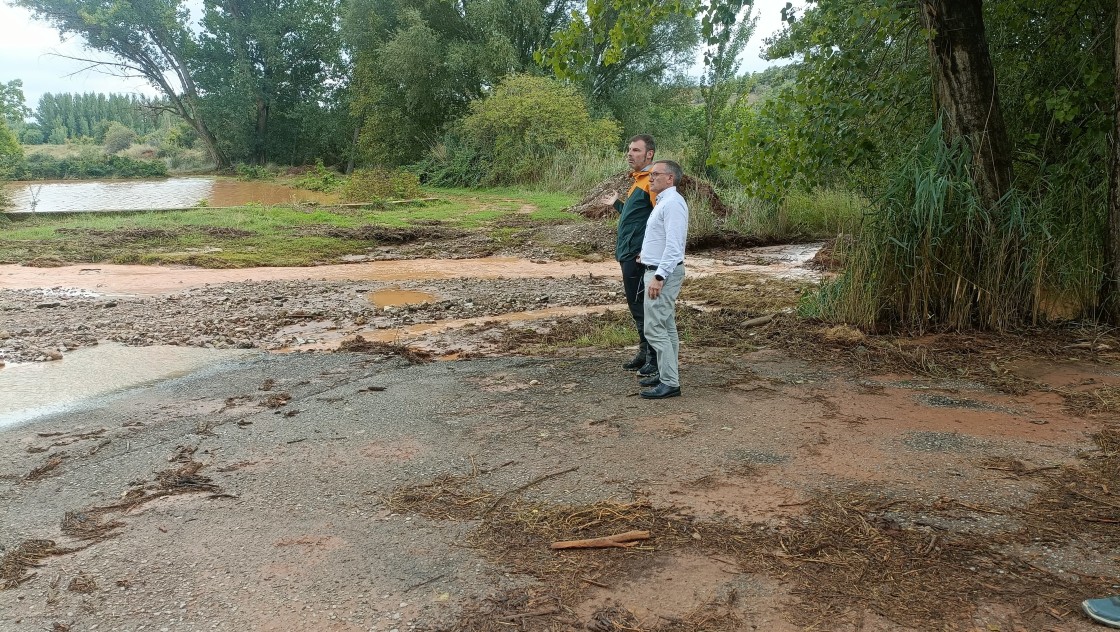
527, 120
44, 167
933, 256
367, 185
850, 107
91, 114
271, 75
118, 138
253, 172
319, 178
13, 108
10, 151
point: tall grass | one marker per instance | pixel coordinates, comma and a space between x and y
817, 214
933, 256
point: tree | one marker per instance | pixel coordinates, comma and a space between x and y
718, 86
149, 39
1111, 285
529, 119
419, 63
965, 91
10, 151
613, 42
258, 64
13, 108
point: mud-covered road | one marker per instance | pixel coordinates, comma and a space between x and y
341, 491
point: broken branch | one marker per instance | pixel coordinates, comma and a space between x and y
621, 540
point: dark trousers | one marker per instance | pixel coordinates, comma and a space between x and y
632, 285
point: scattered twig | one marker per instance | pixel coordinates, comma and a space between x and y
535, 481
426, 582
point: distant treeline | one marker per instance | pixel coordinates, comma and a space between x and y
70, 116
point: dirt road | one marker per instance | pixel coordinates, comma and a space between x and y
788, 489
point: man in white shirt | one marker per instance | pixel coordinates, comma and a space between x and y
663, 258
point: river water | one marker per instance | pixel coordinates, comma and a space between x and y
164, 193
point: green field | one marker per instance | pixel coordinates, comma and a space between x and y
256, 235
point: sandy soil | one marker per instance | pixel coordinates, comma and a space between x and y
301, 511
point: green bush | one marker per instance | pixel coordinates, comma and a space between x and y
366, 185
319, 178
518, 129
118, 138
252, 172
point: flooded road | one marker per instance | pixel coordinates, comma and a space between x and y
167, 193
35, 389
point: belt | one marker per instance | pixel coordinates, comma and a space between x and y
651, 268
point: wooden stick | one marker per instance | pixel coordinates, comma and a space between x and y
621, 541
755, 322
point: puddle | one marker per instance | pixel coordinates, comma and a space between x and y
394, 297
36, 389
168, 193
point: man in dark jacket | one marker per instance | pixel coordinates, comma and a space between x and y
633, 213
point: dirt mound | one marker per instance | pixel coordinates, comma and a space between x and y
695, 190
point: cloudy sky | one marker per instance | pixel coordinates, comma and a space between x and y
32, 51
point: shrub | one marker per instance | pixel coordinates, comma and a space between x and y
366, 185
252, 172
527, 120
44, 167
319, 178
118, 138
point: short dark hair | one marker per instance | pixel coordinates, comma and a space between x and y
645, 138
674, 169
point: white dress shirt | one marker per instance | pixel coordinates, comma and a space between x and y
666, 231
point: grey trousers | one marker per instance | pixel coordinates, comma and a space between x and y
661, 325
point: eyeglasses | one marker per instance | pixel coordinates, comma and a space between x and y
658, 173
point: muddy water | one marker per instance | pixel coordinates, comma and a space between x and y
395, 297
36, 389
781, 262
169, 193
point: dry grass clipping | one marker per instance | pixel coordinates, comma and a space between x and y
1099, 401
850, 554
15, 563
358, 344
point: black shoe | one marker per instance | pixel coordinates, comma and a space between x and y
650, 368
638, 362
661, 391
652, 380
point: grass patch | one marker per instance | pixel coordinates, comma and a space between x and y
257, 235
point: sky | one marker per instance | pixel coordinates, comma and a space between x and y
32, 51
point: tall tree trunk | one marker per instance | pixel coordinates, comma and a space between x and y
260, 154
965, 90
1111, 286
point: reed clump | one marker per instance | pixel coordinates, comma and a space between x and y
933, 256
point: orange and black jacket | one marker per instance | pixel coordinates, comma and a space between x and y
634, 213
